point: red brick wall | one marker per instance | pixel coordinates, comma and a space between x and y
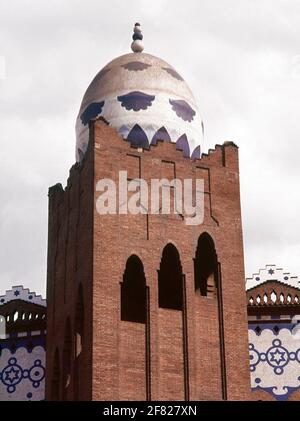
132, 361
170, 355
207, 353
104, 243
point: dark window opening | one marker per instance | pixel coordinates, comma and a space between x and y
206, 267
133, 292
170, 289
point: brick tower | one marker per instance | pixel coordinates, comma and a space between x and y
144, 306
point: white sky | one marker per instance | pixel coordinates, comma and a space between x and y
240, 57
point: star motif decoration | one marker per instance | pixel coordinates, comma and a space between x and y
12, 375
17, 293
277, 356
271, 271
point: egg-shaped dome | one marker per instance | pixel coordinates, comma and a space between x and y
145, 100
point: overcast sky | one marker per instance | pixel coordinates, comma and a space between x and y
241, 59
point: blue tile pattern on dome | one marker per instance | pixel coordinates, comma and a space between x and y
136, 100
91, 112
182, 109
136, 66
138, 137
161, 134
183, 144
196, 153
152, 95
173, 73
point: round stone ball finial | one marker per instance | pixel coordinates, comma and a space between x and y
137, 45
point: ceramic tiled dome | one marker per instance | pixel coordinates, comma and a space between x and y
144, 99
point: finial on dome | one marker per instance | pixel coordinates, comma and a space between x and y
137, 45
